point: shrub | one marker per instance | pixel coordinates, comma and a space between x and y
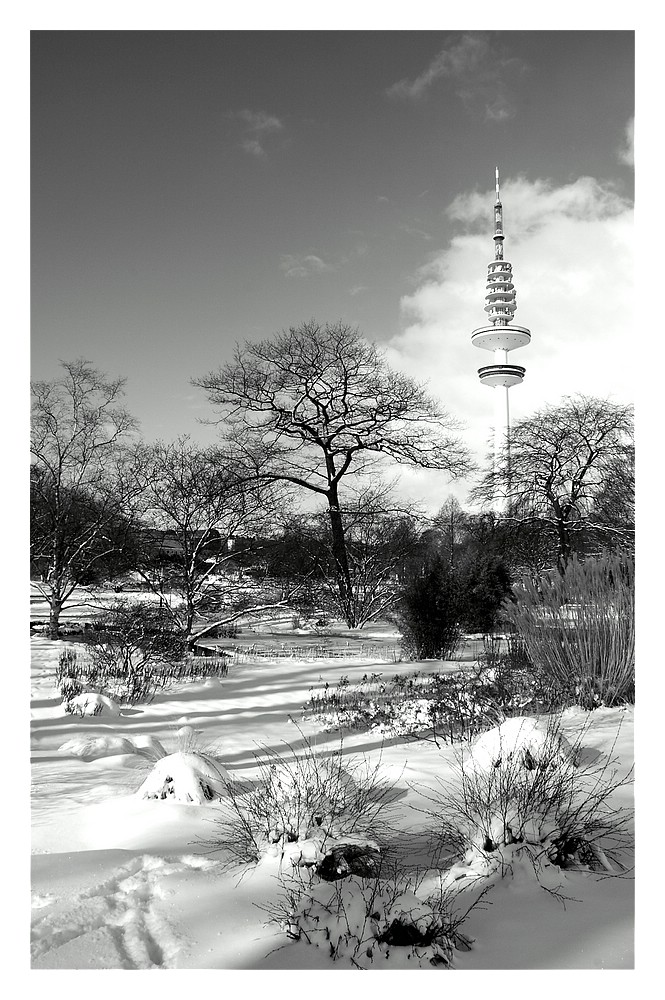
194, 777
301, 804
578, 629
428, 613
67, 677
508, 673
370, 923
452, 706
485, 584
522, 791
80, 671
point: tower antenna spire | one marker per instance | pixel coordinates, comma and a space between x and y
501, 337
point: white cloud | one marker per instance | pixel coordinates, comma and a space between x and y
459, 59
626, 152
480, 72
302, 265
257, 125
571, 250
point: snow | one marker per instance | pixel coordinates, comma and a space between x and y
514, 738
185, 777
125, 882
93, 703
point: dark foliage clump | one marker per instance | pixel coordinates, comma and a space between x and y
428, 613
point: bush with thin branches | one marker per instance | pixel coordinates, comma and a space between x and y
453, 706
524, 791
428, 613
578, 628
301, 804
370, 923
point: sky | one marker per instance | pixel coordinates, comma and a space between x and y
194, 189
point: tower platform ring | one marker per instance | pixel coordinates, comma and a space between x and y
501, 338
505, 375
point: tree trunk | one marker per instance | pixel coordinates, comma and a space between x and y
342, 572
564, 550
55, 608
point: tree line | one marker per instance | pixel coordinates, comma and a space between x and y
292, 496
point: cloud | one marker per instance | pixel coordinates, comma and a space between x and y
415, 231
572, 253
257, 125
302, 265
482, 77
626, 152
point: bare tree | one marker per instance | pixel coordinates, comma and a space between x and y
82, 483
562, 465
381, 535
318, 402
196, 503
452, 524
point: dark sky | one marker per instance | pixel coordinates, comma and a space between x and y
191, 189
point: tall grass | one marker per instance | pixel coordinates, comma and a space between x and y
579, 629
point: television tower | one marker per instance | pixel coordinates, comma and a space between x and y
501, 337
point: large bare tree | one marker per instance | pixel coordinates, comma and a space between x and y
82, 482
565, 466
317, 402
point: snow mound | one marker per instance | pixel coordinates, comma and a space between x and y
148, 746
527, 741
92, 703
94, 747
371, 925
185, 777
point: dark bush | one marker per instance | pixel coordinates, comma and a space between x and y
428, 613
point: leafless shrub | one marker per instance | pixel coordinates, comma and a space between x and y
539, 799
304, 797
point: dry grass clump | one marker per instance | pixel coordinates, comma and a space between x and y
579, 629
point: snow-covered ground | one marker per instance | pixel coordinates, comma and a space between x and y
122, 882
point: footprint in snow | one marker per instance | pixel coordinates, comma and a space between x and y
116, 924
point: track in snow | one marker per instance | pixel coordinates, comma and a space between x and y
120, 920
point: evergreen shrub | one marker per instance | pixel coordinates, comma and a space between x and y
428, 613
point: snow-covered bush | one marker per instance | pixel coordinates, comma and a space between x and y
193, 774
370, 924
527, 741
454, 706
302, 797
93, 747
522, 788
91, 703
185, 777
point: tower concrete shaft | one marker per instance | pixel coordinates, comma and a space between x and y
501, 337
